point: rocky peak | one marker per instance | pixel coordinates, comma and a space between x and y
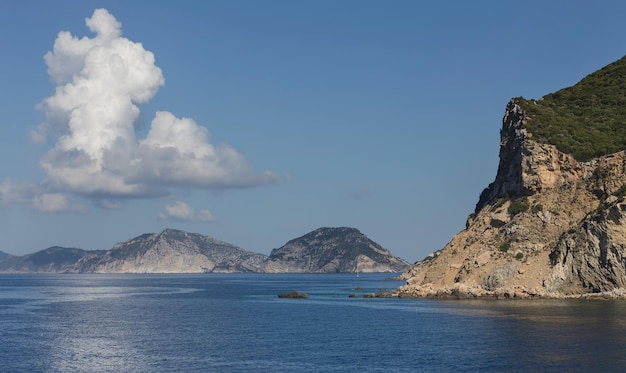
527, 167
509, 178
173, 234
323, 234
340, 249
175, 251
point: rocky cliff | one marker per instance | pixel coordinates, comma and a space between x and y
549, 225
333, 250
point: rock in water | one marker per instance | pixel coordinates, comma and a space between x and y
293, 294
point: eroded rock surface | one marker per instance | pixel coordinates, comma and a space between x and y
547, 226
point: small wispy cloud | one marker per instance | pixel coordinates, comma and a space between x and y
12, 192
181, 211
56, 202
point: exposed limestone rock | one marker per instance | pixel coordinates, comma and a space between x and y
547, 226
483, 258
173, 251
500, 218
592, 258
499, 277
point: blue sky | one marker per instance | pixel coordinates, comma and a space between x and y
263, 120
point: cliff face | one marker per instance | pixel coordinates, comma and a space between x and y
592, 259
547, 226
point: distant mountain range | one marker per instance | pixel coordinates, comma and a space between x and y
325, 250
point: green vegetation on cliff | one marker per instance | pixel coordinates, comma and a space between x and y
586, 120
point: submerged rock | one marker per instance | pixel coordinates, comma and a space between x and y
293, 294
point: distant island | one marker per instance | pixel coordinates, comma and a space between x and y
553, 223
325, 250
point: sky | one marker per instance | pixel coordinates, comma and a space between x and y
256, 122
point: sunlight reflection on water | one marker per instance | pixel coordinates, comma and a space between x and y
236, 323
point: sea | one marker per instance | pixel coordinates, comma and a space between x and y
237, 323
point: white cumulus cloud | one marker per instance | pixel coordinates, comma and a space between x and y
181, 211
91, 120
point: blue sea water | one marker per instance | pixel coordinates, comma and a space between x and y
236, 323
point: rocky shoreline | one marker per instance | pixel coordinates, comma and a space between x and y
464, 292
461, 292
